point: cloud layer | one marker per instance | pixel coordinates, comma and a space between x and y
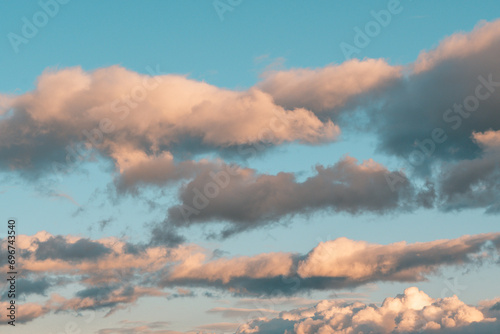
439, 122
111, 274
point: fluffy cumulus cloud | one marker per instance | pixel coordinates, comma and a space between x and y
120, 273
411, 312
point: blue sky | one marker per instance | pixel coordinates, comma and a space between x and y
234, 54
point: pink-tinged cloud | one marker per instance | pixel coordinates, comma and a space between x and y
234, 312
224, 270
331, 87
130, 117
489, 139
412, 312
331, 265
24, 312
459, 46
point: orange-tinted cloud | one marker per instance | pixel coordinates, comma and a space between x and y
411, 312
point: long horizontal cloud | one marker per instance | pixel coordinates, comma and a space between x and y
247, 199
334, 264
411, 312
112, 300
118, 277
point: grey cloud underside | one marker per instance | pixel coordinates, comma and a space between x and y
248, 201
282, 285
107, 297
413, 264
472, 184
474, 328
414, 106
96, 292
28, 286
162, 234
418, 104
59, 248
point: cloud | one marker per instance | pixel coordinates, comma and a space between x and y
459, 46
103, 258
138, 329
59, 248
130, 118
159, 171
411, 312
335, 264
38, 286
63, 195
133, 327
430, 114
474, 183
331, 87
29, 285
110, 298
232, 312
220, 326
104, 222
246, 199
27, 312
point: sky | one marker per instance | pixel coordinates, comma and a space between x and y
237, 166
